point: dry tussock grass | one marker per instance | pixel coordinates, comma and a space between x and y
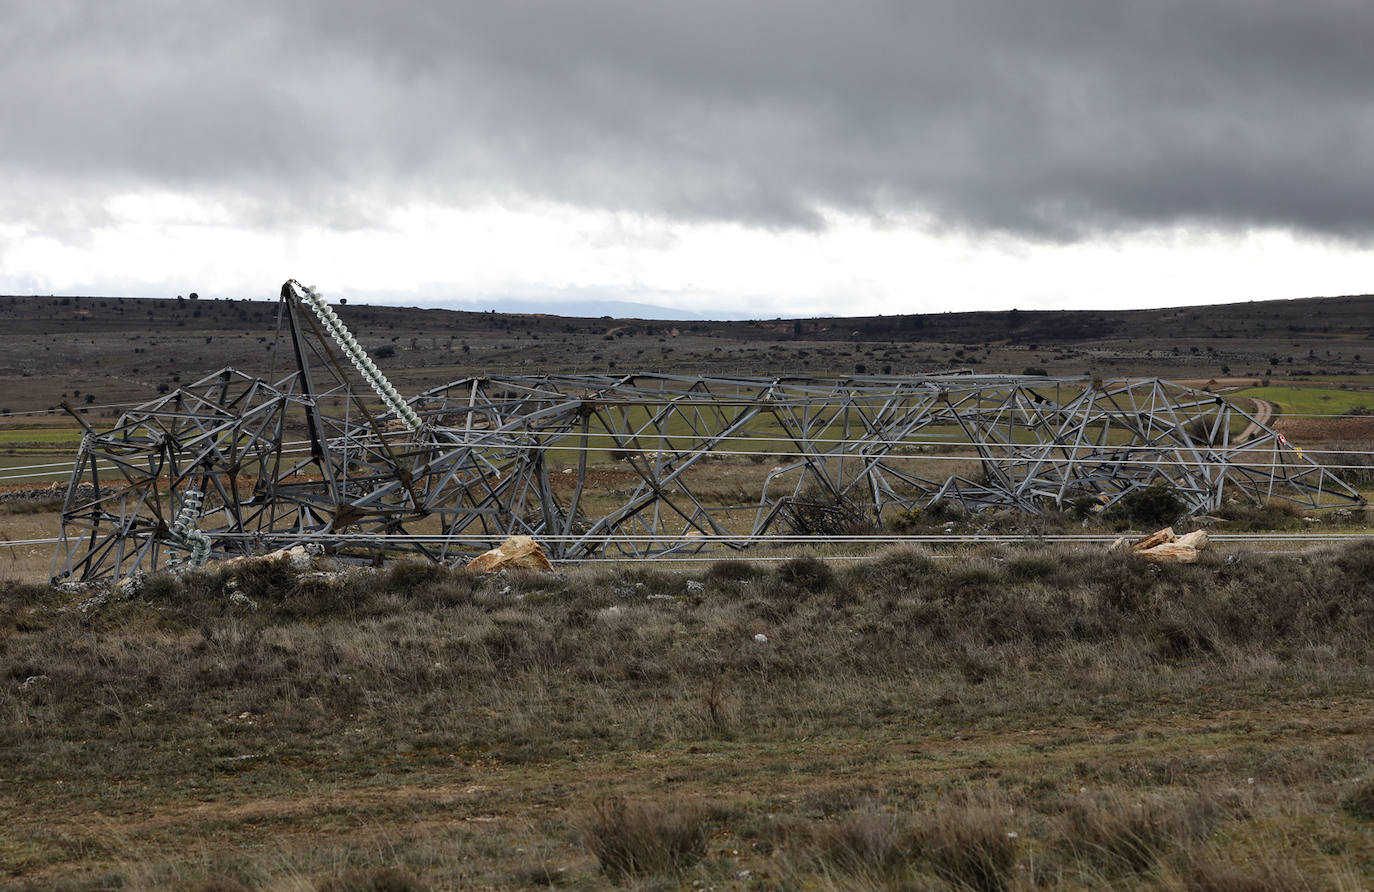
633, 839
1124, 834
374, 676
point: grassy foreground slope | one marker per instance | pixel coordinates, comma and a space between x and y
1010, 719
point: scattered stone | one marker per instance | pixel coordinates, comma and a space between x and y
517, 551
241, 601
1165, 547
83, 493
319, 576
612, 612
1170, 552
94, 603
1196, 539
658, 597
761, 638
1158, 538
298, 556
695, 588
33, 681
130, 586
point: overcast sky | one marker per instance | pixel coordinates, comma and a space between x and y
773, 157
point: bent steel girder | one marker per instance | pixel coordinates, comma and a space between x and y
636, 465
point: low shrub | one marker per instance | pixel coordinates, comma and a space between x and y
1028, 567
406, 576
642, 839
1359, 802
1177, 639
806, 573
1153, 506
895, 570
1131, 835
385, 880
732, 571
972, 847
1248, 517
1199, 875
267, 578
867, 843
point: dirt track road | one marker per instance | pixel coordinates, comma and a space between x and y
1264, 410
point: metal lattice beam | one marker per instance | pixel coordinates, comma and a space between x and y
464, 465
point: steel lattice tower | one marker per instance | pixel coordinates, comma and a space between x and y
310, 457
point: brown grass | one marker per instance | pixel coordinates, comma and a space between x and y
1124, 833
1131, 724
867, 843
641, 839
1359, 802
972, 846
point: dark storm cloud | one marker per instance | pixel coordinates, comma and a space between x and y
1053, 119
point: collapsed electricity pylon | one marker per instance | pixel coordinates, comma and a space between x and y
634, 465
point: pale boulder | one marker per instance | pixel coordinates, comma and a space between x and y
517, 551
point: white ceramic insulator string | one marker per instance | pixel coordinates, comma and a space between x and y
187, 535
361, 361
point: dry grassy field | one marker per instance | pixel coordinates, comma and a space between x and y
1011, 719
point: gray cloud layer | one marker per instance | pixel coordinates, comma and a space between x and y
1052, 119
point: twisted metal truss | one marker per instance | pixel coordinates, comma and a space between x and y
636, 465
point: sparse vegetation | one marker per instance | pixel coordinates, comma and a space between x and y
1015, 718
642, 839
1128, 834
1154, 506
1359, 802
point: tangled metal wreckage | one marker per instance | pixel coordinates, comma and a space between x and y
235, 465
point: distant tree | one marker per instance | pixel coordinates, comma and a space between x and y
343, 301
90, 398
1034, 370
193, 296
